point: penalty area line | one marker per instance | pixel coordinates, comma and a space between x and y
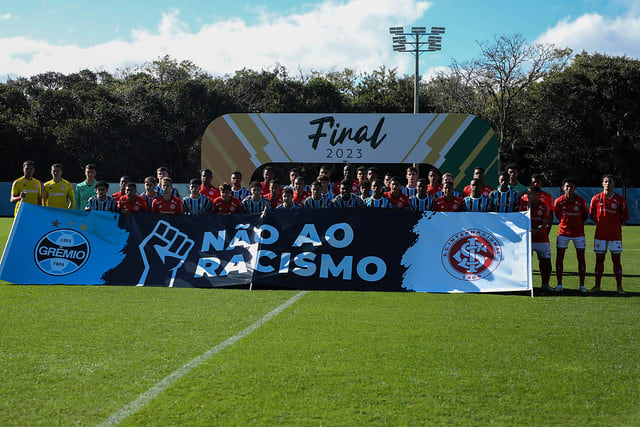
170, 379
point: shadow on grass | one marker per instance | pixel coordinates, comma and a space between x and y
537, 292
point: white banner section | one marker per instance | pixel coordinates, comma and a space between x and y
470, 252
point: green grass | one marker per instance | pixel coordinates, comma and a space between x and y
75, 355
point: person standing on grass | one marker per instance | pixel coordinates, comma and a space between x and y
26, 189
58, 193
609, 211
571, 210
86, 189
540, 214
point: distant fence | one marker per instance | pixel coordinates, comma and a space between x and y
632, 195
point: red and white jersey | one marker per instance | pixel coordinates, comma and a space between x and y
539, 213
138, 205
485, 191
211, 193
275, 201
431, 191
571, 215
231, 206
265, 190
116, 196
171, 206
299, 198
355, 187
543, 197
454, 205
400, 202
609, 213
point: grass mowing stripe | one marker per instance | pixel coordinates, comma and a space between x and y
161, 385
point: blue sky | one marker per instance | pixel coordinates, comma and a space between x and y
224, 36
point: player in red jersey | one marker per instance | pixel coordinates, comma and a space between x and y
395, 196
167, 204
124, 180
571, 210
539, 212
609, 211
299, 193
435, 180
448, 202
131, 202
478, 173
274, 195
269, 175
206, 188
349, 177
226, 203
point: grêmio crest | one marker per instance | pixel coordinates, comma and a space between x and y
327, 126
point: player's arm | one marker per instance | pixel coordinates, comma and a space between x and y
543, 226
39, 193
624, 212
593, 209
180, 209
76, 194
16, 193
557, 210
584, 214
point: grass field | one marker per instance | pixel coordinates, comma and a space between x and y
77, 355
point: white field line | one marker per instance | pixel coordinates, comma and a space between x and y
162, 385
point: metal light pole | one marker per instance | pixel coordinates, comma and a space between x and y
416, 46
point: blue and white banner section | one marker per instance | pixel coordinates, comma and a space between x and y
333, 249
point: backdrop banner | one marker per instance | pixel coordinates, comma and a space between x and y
332, 249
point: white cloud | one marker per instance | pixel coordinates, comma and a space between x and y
329, 35
5, 17
593, 32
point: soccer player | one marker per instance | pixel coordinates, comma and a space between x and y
293, 174
435, 184
421, 201
538, 181
349, 178
226, 203
255, 203
346, 199
377, 199
485, 190
395, 196
196, 203
476, 202
237, 190
326, 187
372, 173
101, 201
571, 210
412, 182
299, 194
274, 196
26, 189
206, 188
317, 199
150, 194
514, 184
58, 193
447, 177
448, 202
326, 171
364, 189
86, 189
609, 211
163, 172
539, 212
504, 199
269, 174
124, 180
167, 203
130, 202
287, 199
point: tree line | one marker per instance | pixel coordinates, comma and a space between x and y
554, 112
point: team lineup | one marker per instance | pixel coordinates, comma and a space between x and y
359, 188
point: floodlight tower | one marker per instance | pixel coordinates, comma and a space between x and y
417, 45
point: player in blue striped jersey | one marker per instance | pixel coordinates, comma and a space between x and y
364, 190
421, 201
377, 200
255, 203
412, 179
447, 177
504, 199
101, 201
287, 200
326, 187
196, 203
476, 202
237, 190
317, 199
345, 199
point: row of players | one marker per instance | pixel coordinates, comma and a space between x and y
607, 209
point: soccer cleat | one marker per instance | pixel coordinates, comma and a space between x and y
583, 289
559, 288
595, 289
547, 288
621, 291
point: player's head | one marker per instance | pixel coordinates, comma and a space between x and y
569, 186
533, 193
537, 179
513, 171
476, 187
225, 191
255, 189
102, 187
130, 190
268, 173
447, 189
372, 173
236, 178
316, 190
194, 186
361, 173
325, 171
421, 187
162, 172
298, 184
56, 171
348, 171
387, 179
293, 174
274, 188
503, 181
395, 185
124, 179
150, 184
447, 177
412, 175
90, 171
324, 182
167, 185
365, 188
29, 168
478, 173
345, 189
205, 177
434, 176
608, 182
377, 187
287, 195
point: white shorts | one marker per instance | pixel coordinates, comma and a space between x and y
601, 246
578, 242
542, 249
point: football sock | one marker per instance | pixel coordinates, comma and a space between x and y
599, 268
582, 265
545, 270
560, 265
617, 269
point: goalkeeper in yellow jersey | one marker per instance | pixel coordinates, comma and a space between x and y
58, 193
26, 189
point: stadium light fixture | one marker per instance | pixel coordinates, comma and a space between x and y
413, 42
